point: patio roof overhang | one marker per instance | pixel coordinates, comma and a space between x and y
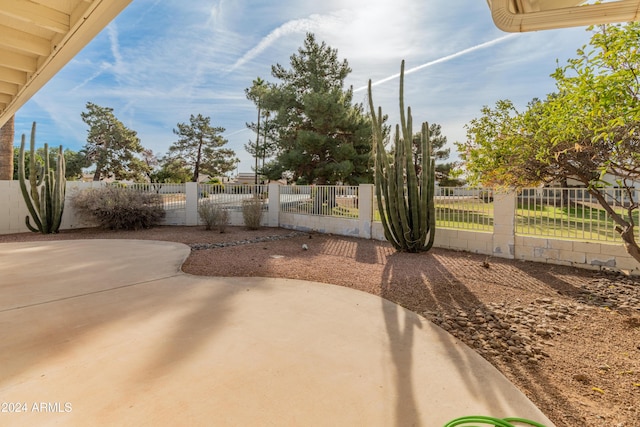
532, 15
37, 39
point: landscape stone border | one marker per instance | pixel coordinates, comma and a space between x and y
202, 246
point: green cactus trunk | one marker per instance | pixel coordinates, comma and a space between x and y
45, 196
405, 200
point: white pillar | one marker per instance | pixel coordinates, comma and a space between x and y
365, 210
191, 194
504, 218
274, 205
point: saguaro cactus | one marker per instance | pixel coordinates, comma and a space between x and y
45, 196
405, 200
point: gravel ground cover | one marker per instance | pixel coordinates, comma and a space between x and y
568, 338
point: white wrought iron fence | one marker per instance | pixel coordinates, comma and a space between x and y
231, 196
173, 195
567, 213
461, 208
571, 213
328, 200
467, 208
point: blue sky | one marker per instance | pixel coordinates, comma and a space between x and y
162, 60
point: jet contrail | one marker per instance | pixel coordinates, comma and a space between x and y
226, 135
290, 27
440, 60
112, 31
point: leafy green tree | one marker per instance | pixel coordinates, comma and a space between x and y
587, 131
159, 173
322, 137
171, 171
152, 162
444, 171
198, 148
111, 146
447, 175
438, 142
75, 161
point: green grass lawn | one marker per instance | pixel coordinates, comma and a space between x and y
465, 214
583, 221
460, 214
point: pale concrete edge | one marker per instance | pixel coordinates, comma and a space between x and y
443, 336
183, 249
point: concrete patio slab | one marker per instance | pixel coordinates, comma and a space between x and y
108, 332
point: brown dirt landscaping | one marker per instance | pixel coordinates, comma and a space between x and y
568, 338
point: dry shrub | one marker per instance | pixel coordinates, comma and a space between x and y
119, 208
252, 212
213, 215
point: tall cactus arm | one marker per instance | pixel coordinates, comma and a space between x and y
400, 199
432, 207
59, 191
405, 200
25, 192
428, 185
45, 195
381, 167
46, 190
424, 182
413, 186
403, 119
36, 172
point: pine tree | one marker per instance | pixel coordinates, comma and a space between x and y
198, 148
111, 146
322, 137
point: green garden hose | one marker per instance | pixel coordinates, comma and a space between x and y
495, 422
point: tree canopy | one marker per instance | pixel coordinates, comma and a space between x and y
588, 130
322, 137
75, 161
111, 146
198, 149
165, 170
444, 171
